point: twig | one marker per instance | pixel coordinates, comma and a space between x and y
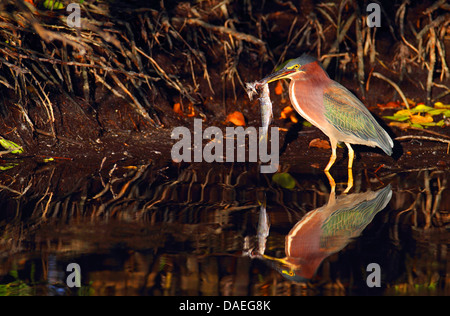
225, 30
380, 76
359, 49
432, 46
339, 38
434, 139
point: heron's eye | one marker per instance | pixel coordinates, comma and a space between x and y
296, 67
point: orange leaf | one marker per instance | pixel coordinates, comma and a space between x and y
177, 109
287, 111
319, 143
279, 88
191, 110
389, 105
399, 125
237, 118
419, 119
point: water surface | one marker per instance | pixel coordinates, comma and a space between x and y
144, 229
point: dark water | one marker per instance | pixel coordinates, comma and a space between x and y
225, 229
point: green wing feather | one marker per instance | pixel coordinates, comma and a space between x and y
348, 115
349, 222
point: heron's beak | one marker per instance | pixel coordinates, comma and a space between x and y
277, 75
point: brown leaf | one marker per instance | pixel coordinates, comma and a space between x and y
389, 105
320, 143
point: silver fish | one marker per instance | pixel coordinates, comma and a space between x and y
263, 229
265, 102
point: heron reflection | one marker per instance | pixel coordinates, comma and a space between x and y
323, 232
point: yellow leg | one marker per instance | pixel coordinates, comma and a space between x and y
333, 156
351, 155
332, 182
350, 180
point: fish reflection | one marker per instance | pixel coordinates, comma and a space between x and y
325, 231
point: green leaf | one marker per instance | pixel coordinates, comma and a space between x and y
440, 123
400, 118
8, 166
416, 125
428, 124
50, 4
422, 108
9, 145
436, 111
284, 179
447, 113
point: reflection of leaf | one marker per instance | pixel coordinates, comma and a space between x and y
9, 145
8, 166
284, 179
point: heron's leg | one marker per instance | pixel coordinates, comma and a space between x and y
333, 155
332, 185
350, 180
351, 155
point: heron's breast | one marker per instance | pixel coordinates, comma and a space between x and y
307, 100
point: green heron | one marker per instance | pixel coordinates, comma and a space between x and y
325, 231
331, 107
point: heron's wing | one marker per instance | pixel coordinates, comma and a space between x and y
348, 222
349, 116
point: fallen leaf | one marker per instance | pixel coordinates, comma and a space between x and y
403, 113
420, 108
398, 118
410, 102
289, 113
315, 165
399, 125
177, 109
237, 118
389, 105
441, 105
9, 145
284, 179
50, 4
419, 119
320, 143
279, 88
191, 110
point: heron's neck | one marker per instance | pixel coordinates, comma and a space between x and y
314, 76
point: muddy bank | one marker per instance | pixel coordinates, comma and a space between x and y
117, 86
